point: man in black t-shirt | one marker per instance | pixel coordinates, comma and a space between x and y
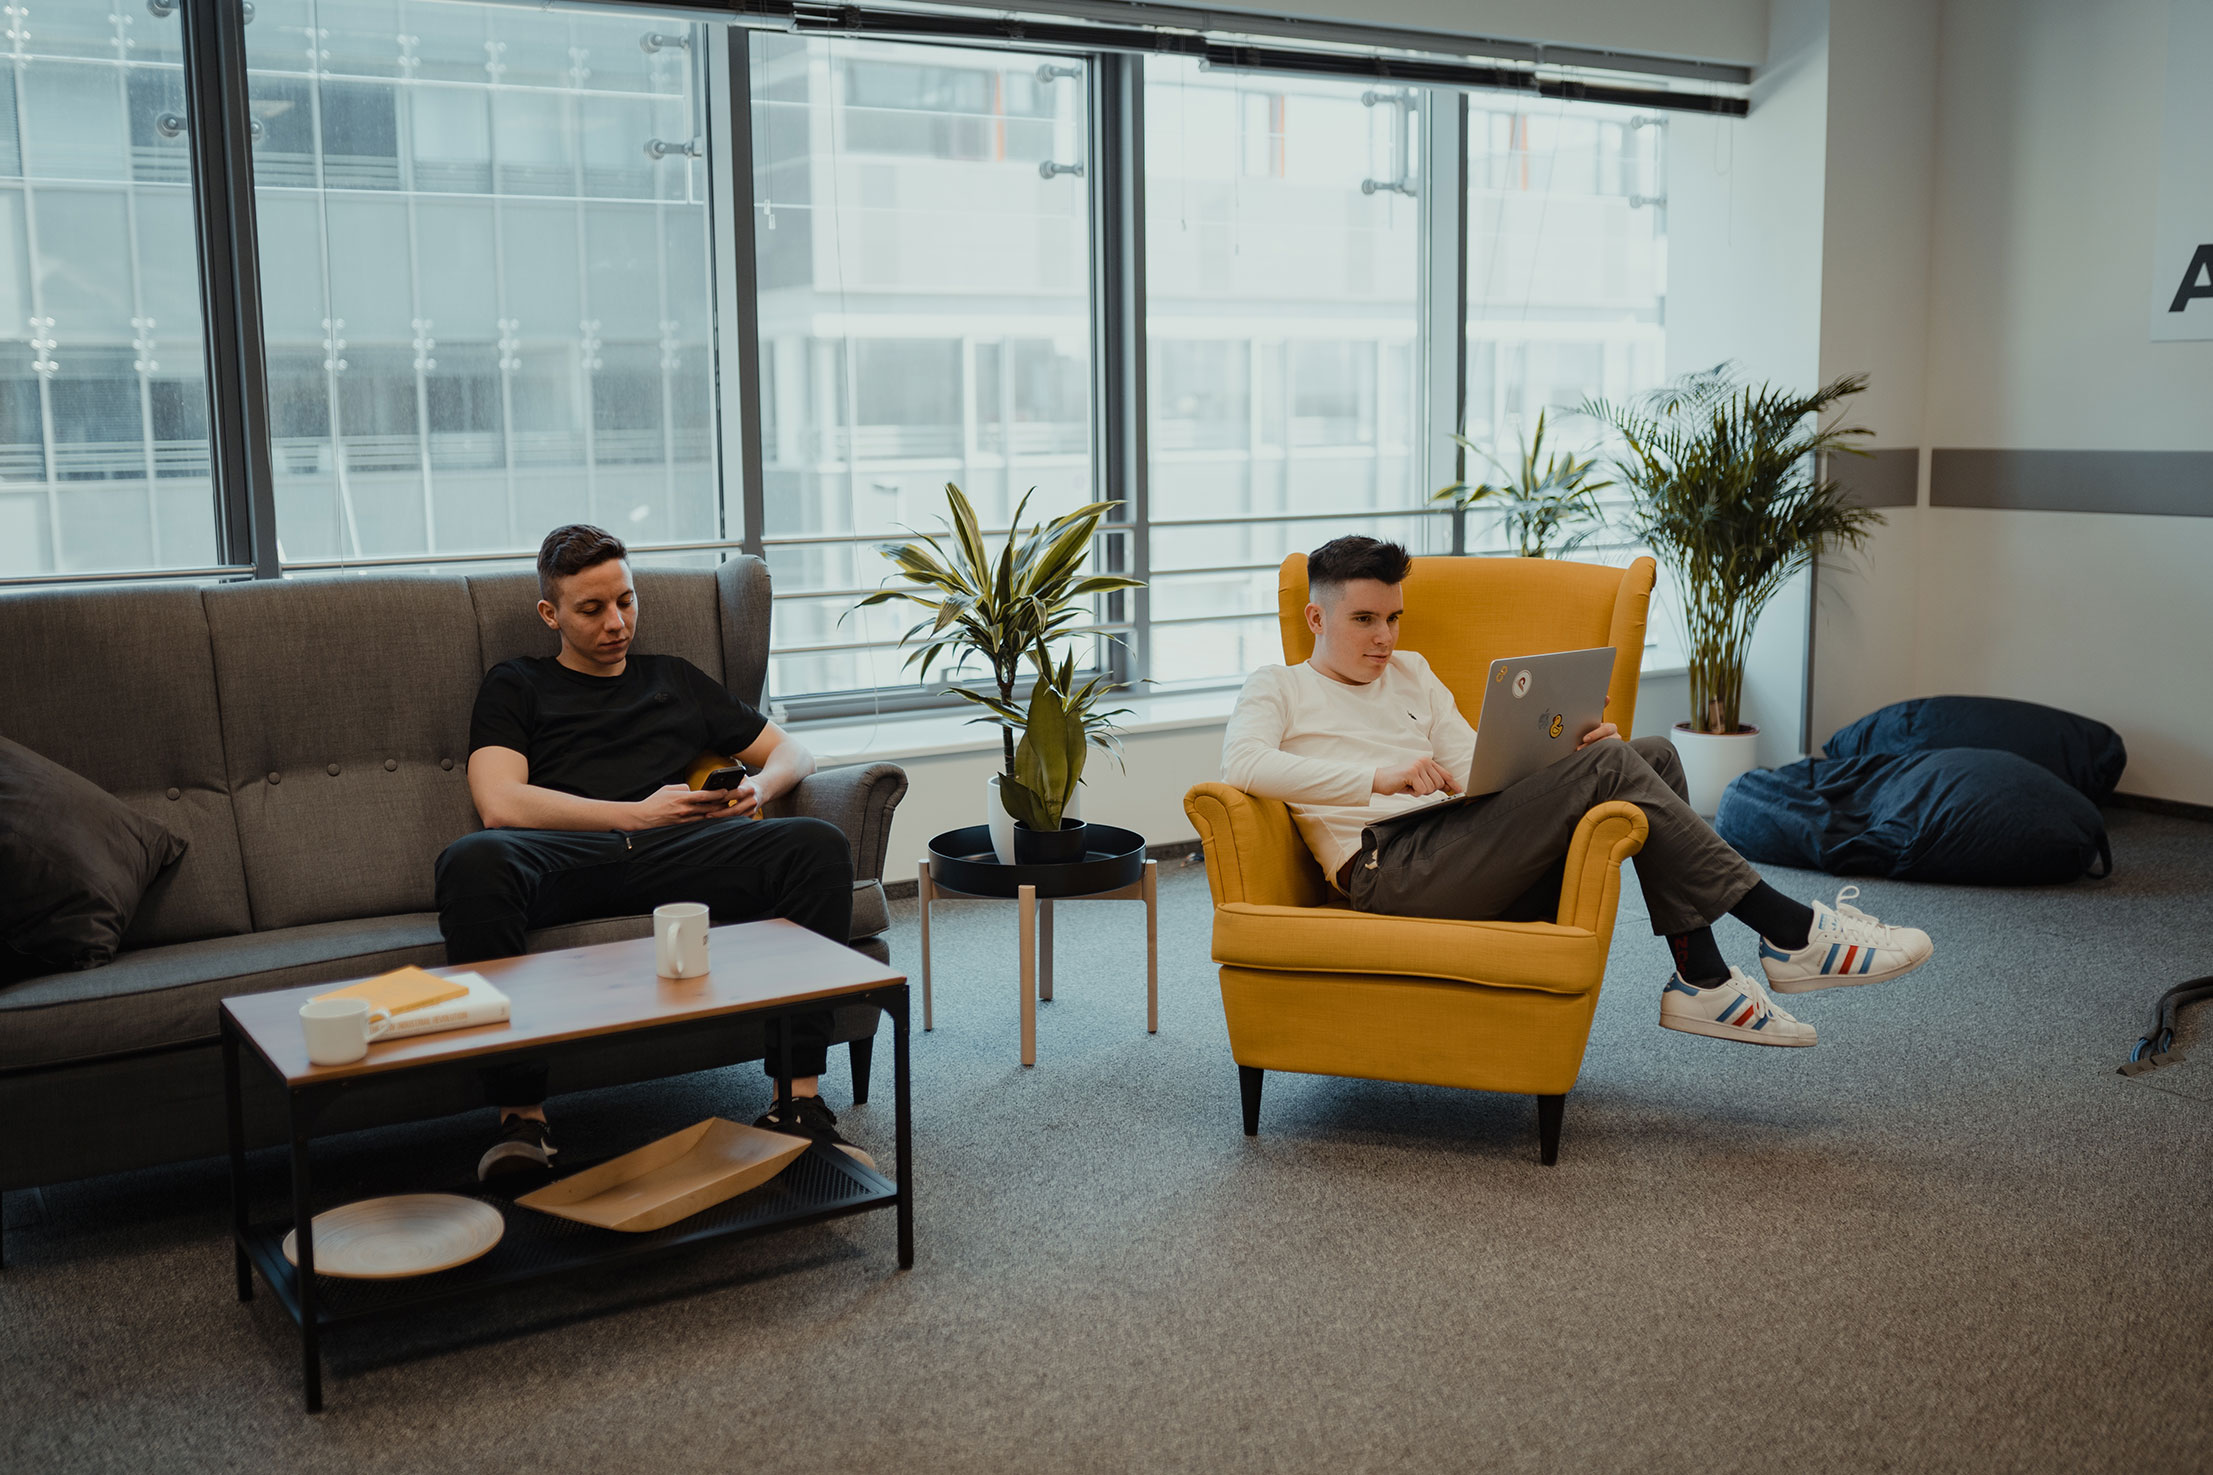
577, 765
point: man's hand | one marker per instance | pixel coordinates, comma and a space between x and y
1598, 734
744, 800
678, 804
1421, 776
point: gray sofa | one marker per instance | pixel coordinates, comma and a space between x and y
309, 738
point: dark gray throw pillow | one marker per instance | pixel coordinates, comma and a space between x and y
74, 862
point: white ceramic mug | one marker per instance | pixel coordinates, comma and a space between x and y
339, 1030
680, 939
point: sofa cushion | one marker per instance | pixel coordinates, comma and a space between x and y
118, 685
168, 995
74, 862
679, 614
345, 713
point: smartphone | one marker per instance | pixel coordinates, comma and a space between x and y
727, 778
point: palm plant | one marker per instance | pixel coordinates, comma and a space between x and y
1006, 608
1727, 489
1547, 504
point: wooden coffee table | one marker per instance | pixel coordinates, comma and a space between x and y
564, 1004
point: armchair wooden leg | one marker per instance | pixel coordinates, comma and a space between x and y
1248, 1085
1549, 1109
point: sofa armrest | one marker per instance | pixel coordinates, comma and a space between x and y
858, 798
1605, 837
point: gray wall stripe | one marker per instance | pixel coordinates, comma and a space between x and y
2156, 483
1884, 478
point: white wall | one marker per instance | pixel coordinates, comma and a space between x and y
2047, 128
1745, 246
1879, 195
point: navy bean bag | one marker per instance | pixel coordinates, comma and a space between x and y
2088, 755
1965, 815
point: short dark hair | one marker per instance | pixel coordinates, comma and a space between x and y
571, 550
1341, 560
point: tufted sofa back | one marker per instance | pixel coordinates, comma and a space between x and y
309, 737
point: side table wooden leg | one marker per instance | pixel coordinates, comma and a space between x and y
1045, 951
923, 893
1152, 947
1027, 946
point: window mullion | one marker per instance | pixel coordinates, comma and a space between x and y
214, 47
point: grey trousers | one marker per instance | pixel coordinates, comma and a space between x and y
1503, 856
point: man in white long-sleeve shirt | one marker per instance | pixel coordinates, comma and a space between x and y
1362, 741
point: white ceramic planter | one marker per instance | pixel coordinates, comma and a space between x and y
1711, 760
1001, 822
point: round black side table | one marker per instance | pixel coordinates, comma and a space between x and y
961, 864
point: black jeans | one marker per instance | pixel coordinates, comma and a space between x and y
495, 885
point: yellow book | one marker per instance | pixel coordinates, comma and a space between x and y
400, 990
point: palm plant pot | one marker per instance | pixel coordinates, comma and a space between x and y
1712, 761
999, 822
1050, 847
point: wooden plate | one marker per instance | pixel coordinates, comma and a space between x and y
404, 1234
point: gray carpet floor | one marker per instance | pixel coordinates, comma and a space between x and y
1949, 1237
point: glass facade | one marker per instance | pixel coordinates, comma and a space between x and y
1283, 328
1566, 267
485, 268
922, 227
103, 384
494, 300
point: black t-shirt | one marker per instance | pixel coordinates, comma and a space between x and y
609, 737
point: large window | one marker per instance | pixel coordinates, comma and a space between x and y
485, 276
103, 392
1566, 263
1283, 245
503, 286
922, 226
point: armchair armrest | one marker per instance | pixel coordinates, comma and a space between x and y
1254, 852
858, 798
1605, 837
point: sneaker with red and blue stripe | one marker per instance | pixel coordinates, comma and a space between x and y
1844, 947
1736, 1009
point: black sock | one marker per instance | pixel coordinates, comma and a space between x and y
1697, 959
1774, 916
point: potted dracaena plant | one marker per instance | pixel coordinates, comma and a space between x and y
1007, 608
1547, 501
1060, 725
1728, 488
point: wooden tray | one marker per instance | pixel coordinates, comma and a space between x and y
671, 1179
399, 1235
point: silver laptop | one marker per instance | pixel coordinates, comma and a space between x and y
1535, 710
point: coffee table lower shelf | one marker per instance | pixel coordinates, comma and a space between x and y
822, 1183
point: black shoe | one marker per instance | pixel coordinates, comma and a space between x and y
523, 1154
810, 1117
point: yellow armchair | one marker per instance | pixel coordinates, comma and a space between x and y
1310, 985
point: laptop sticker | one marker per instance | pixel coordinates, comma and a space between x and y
1521, 683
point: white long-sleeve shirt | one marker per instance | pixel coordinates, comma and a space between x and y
1315, 743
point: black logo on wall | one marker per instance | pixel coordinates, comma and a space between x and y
2197, 281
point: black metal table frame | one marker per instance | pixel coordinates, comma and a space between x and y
294, 1287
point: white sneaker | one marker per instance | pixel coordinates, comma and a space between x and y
1845, 947
1737, 1010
